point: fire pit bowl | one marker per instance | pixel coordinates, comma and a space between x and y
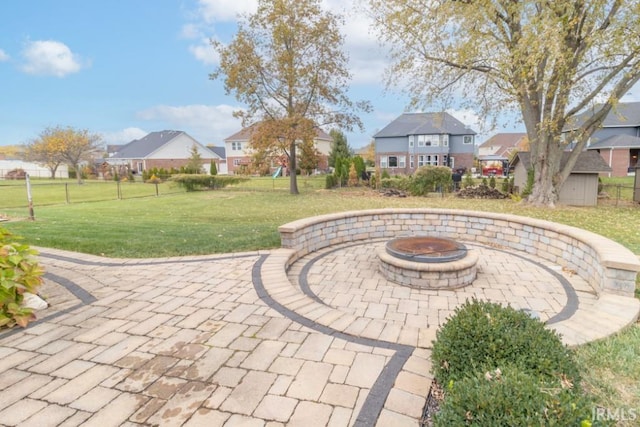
427, 262
426, 249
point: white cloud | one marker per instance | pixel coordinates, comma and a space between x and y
50, 57
224, 10
3, 56
123, 136
206, 123
205, 53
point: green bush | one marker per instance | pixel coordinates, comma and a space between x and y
511, 397
398, 182
193, 182
482, 336
468, 180
428, 179
526, 191
492, 181
385, 174
330, 181
19, 273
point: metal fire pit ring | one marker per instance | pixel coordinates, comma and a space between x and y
427, 249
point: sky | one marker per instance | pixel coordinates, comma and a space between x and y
124, 68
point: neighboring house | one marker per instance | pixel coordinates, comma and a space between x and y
221, 152
419, 139
495, 153
165, 149
581, 186
239, 151
618, 140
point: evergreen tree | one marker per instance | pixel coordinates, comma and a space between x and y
339, 147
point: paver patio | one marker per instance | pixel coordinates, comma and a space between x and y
217, 341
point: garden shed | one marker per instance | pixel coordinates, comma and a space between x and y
580, 188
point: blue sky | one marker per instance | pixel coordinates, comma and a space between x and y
124, 68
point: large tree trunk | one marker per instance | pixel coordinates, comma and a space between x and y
293, 177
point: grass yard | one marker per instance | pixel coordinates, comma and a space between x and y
246, 218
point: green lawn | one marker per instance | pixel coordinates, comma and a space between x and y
246, 217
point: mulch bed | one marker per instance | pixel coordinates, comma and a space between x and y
432, 405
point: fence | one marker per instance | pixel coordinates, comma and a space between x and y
616, 194
13, 194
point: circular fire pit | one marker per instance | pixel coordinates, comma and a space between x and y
426, 249
427, 262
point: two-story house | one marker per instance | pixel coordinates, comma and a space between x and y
618, 139
418, 139
238, 150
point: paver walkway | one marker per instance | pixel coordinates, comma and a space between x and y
212, 341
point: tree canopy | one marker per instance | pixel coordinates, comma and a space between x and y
550, 60
58, 145
286, 65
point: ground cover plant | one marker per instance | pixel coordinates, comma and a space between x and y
246, 216
19, 273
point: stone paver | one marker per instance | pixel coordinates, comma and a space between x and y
239, 340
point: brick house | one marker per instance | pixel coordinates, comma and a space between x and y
418, 139
165, 149
238, 150
618, 139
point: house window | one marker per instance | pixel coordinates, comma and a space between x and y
383, 162
411, 162
393, 162
445, 160
421, 140
432, 140
467, 139
410, 140
237, 162
236, 146
431, 160
402, 162
421, 160
445, 140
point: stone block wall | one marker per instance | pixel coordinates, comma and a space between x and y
606, 265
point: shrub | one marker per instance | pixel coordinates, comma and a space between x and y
468, 180
511, 397
385, 174
528, 188
354, 178
213, 170
19, 273
398, 182
483, 336
492, 181
330, 181
193, 182
429, 178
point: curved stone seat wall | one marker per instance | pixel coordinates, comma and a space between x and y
606, 265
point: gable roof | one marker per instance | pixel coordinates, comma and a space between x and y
625, 114
245, 135
507, 140
588, 162
143, 147
424, 124
220, 151
616, 141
